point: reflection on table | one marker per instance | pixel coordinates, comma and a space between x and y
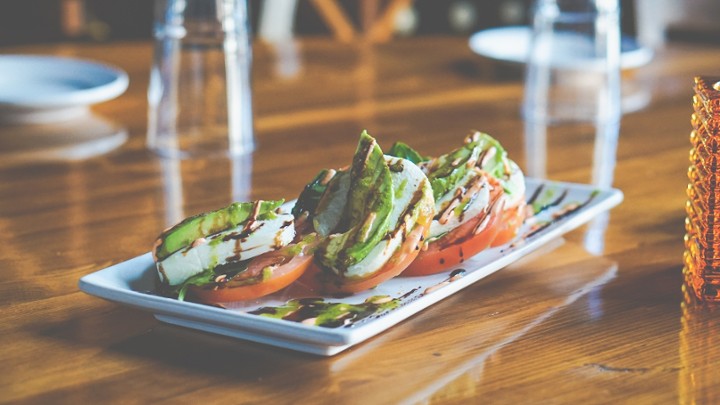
74, 139
185, 185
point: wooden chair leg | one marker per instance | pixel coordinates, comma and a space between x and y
72, 17
336, 19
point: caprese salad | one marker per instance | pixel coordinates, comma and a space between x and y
351, 228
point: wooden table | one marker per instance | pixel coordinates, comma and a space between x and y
560, 326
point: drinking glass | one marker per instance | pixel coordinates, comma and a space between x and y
573, 78
572, 94
200, 99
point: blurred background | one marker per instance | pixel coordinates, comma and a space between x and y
43, 21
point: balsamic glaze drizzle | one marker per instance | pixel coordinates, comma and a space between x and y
339, 314
562, 214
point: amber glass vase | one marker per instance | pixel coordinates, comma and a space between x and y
702, 225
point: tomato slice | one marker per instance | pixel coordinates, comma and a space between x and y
322, 281
460, 244
287, 266
463, 242
512, 220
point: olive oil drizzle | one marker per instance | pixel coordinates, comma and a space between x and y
319, 312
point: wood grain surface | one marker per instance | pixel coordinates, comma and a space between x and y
599, 317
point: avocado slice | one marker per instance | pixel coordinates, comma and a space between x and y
480, 150
311, 194
366, 217
403, 150
413, 205
496, 163
202, 225
447, 170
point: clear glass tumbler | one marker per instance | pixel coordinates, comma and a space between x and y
200, 98
573, 78
573, 96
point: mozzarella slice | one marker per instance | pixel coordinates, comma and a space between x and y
464, 208
515, 185
332, 205
241, 243
408, 182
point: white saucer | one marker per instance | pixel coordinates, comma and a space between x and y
36, 88
510, 44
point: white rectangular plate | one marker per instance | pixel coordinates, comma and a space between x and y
565, 207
